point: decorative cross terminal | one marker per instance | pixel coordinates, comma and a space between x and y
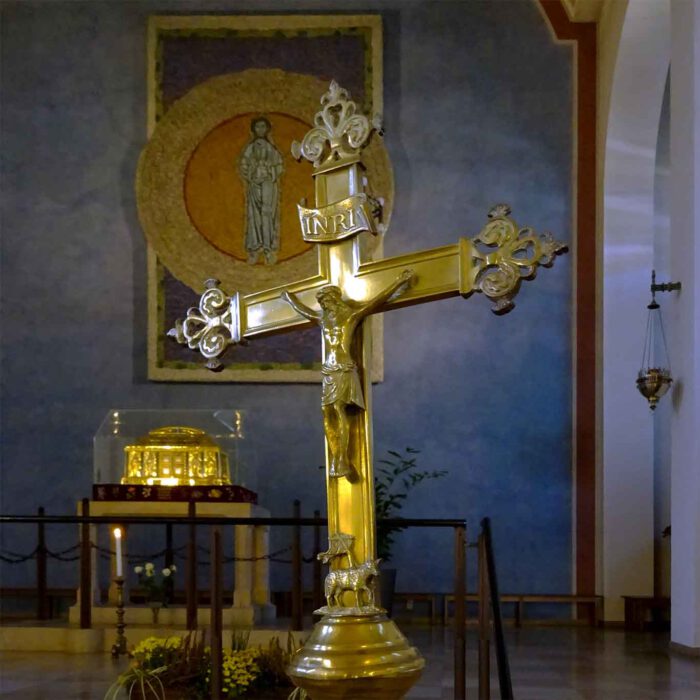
347, 288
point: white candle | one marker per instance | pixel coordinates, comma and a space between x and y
118, 539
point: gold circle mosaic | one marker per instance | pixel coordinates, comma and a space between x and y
190, 194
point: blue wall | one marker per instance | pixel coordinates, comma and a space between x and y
478, 110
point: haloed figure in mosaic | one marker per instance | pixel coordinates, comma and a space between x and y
339, 318
260, 166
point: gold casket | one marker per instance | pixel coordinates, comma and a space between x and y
175, 456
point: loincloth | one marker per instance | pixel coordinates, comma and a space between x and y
342, 385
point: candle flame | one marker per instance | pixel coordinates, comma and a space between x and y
118, 532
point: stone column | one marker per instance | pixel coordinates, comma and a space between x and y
685, 325
243, 585
74, 610
261, 574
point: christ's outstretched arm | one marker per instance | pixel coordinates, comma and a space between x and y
301, 308
397, 287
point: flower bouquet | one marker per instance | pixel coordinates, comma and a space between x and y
158, 587
179, 668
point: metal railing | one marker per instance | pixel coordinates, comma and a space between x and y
490, 609
194, 521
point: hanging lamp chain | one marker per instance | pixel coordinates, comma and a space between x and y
653, 305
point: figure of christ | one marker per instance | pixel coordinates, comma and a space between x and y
261, 167
342, 388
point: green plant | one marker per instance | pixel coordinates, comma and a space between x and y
240, 636
393, 481
273, 662
158, 663
183, 665
135, 679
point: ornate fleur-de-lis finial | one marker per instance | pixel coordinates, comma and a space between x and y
339, 132
517, 255
211, 327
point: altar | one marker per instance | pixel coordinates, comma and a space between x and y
159, 464
251, 591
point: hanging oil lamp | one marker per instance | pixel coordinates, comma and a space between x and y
654, 378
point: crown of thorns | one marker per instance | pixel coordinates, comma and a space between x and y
330, 291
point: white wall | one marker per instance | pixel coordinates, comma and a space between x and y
685, 335
663, 412
627, 507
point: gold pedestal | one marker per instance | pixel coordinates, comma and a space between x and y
356, 656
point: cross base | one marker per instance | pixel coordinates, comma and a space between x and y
364, 611
356, 656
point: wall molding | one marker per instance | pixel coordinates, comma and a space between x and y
583, 35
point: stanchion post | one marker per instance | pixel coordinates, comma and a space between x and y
216, 595
484, 625
318, 601
460, 643
504, 679
297, 600
191, 582
85, 569
41, 597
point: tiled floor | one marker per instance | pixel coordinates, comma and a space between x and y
547, 664
557, 663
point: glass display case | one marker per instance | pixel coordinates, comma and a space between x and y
173, 447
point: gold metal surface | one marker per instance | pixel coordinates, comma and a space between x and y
654, 378
356, 580
355, 651
517, 254
653, 383
357, 656
338, 135
342, 390
175, 456
337, 221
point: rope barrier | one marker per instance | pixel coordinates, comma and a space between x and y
273, 556
105, 554
61, 557
15, 558
63, 551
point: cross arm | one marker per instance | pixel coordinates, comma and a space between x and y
268, 312
221, 320
438, 273
494, 262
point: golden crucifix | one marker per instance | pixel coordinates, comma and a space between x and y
355, 651
339, 319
